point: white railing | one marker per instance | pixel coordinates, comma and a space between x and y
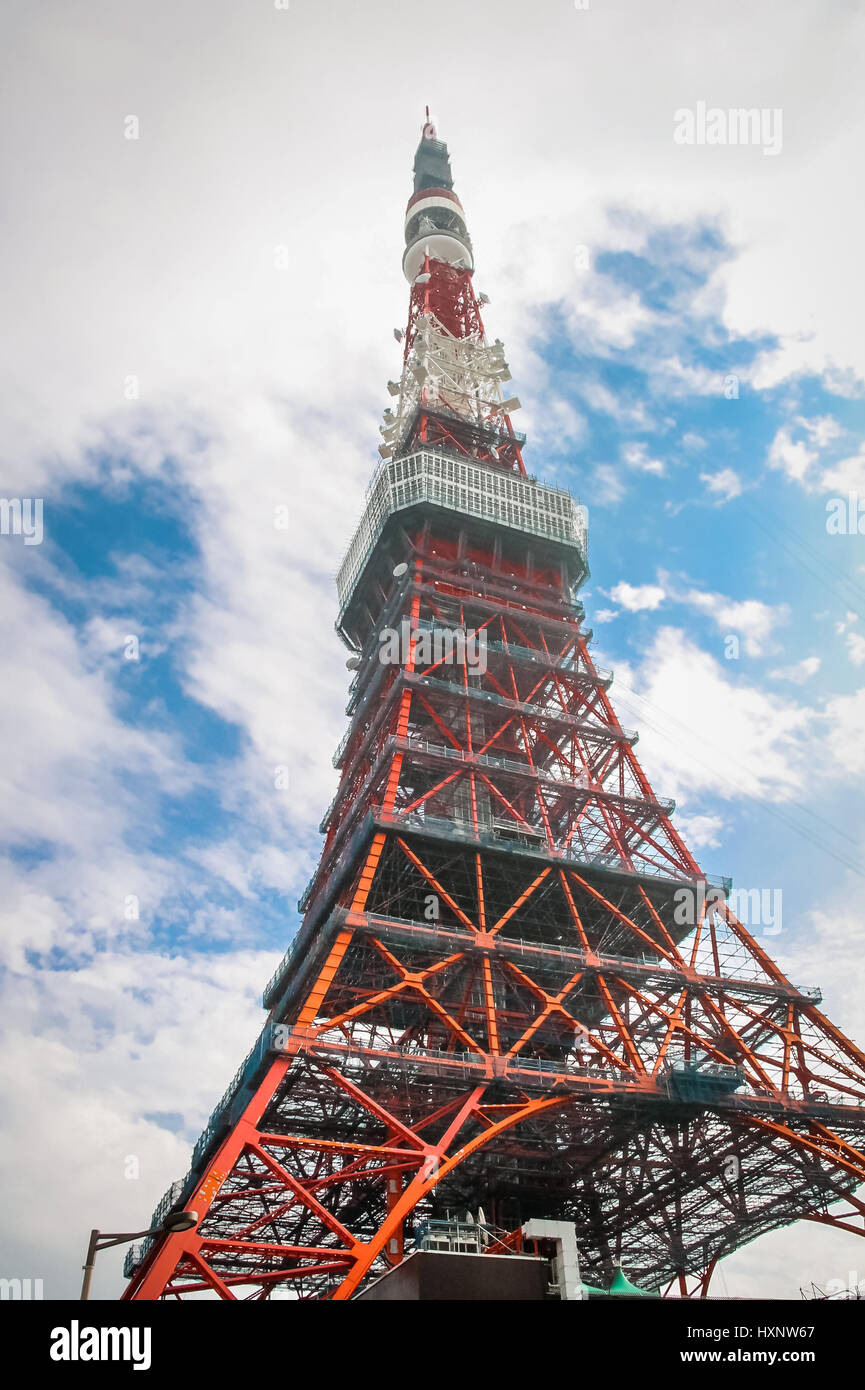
460, 485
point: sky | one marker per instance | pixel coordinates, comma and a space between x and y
201, 242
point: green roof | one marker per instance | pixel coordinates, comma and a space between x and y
620, 1287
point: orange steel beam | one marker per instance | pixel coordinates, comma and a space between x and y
432, 1172
433, 881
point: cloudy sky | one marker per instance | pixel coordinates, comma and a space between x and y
201, 252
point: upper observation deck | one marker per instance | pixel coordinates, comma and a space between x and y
466, 489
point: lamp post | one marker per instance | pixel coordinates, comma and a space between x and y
101, 1240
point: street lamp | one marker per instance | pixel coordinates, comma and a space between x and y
101, 1240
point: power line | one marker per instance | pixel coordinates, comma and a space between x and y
824, 566
768, 806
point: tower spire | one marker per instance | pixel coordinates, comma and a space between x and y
434, 206
432, 169
450, 391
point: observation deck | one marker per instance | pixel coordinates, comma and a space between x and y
468, 489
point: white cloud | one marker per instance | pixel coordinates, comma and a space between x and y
701, 731
637, 456
853, 641
687, 378
782, 1263
609, 488
619, 406
823, 429
799, 672
134, 211
127, 1036
749, 619
701, 831
795, 458
606, 317
726, 483
638, 597
846, 475
75, 778
832, 939
553, 424
251, 655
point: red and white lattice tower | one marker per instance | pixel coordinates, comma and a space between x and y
498, 997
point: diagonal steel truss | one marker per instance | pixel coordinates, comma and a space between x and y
513, 987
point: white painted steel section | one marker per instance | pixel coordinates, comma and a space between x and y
566, 1265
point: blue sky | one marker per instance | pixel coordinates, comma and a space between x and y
695, 512
630, 280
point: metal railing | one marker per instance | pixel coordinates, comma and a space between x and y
455, 689
490, 833
281, 969
413, 743
466, 486
167, 1202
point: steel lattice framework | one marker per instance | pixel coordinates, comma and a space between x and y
513, 986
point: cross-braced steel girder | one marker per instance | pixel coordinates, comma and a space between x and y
502, 1055
513, 986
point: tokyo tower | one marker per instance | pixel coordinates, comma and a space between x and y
513, 993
